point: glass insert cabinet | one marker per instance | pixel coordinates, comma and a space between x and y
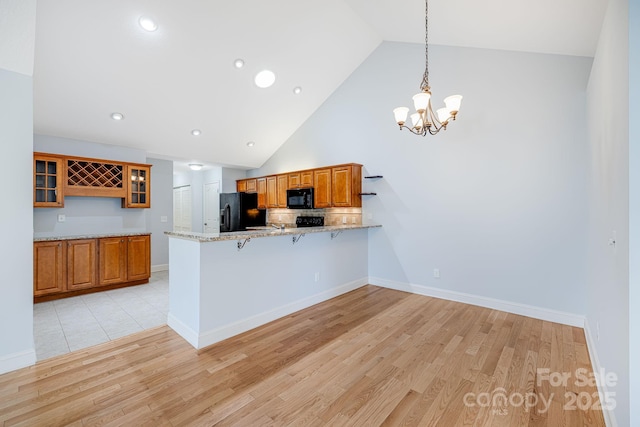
56, 177
47, 182
138, 192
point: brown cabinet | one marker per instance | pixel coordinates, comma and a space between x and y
49, 268
81, 264
302, 179
272, 192
282, 185
334, 186
346, 186
252, 185
57, 176
277, 191
138, 258
72, 267
262, 192
322, 188
113, 266
138, 188
47, 182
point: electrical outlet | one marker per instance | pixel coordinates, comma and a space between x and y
598, 330
316, 276
344, 219
164, 218
353, 220
279, 217
436, 273
369, 216
62, 218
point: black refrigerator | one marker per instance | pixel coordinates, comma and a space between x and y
239, 211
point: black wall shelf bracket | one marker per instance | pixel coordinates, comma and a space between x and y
368, 194
373, 177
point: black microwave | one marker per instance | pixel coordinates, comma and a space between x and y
300, 198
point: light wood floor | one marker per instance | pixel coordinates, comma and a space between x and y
371, 357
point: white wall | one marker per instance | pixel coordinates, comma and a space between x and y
607, 265
497, 202
161, 206
16, 142
634, 211
229, 178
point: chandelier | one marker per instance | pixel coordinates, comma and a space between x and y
424, 119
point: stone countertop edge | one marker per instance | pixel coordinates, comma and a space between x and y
241, 235
89, 236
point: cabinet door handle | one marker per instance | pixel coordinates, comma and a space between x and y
59, 244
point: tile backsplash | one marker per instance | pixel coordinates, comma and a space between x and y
332, 216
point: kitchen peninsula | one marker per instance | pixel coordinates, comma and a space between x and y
224, 284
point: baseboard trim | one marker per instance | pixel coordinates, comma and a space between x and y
216, 335
496, 304
22, 359
609, 416
159, 267
183, 330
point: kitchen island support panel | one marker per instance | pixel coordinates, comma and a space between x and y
216, 291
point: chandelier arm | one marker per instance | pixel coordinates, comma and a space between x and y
410, 129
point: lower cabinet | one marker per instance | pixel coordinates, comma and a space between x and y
113, 261
138, 258
72, 267
81, 264
49, 272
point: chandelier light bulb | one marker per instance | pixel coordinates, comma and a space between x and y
400, 114
452, 103
443, 114
421, 101
425, 120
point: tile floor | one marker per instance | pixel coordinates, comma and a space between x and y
70, 324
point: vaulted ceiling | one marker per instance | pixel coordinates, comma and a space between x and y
92, 59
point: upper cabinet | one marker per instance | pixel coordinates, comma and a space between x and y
334, 186
346, 186
47, 182
322, 188
57, 176
138, 190
262, 192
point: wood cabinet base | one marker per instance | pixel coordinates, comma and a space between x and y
67, 294
75, 267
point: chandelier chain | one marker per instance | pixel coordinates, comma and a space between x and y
424, 86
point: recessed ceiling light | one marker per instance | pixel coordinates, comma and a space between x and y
195, 132
195, 166
265, 78
238, 63
147, 23
250, 144
297, 90
117, 116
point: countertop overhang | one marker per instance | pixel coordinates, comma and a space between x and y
273, 232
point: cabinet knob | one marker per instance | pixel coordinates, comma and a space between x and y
59, 244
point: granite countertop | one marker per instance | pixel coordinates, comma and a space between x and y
88, 236
266, 232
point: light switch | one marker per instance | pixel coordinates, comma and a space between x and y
163, 218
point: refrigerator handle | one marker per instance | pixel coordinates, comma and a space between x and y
226, 217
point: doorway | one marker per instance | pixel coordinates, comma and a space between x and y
212, 207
